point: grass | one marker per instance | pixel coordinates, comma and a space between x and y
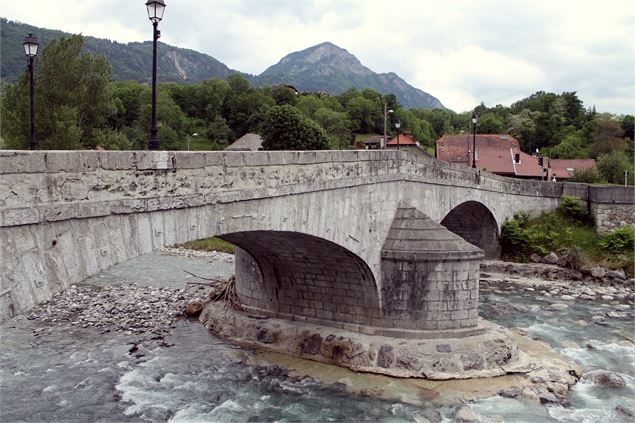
209, 244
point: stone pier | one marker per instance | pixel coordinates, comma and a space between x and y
423, 323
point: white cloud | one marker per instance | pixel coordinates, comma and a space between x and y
461, 52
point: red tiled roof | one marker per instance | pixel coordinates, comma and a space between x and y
563, 168
404, 139
494, 153
528, 166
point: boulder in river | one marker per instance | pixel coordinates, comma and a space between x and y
598, 272
550, 258
465, 414
615, 274
605, 379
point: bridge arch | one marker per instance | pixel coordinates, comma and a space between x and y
475, 223
299, 276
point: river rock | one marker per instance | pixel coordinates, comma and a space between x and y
465, 414
625, 412
194, 307
371, 392
509, 392
535, 258
550, 258
607, 297
593, 344
615, 274
605, 379
617, 315
544, 395
599, 320
530, 395
598, 272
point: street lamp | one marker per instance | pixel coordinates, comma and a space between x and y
155, 14
385, 117
474, 118
398, 125
30, 45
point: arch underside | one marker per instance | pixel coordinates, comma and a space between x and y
476, 224
291, 274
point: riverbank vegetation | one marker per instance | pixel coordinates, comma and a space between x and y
78, 105
209, 244
569, 232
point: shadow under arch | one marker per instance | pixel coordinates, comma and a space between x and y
294, 275
475, 223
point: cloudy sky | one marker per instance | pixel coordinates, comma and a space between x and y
462, 52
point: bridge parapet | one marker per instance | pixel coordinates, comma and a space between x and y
46, 186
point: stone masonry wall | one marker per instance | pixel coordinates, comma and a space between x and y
612, 207
430, 295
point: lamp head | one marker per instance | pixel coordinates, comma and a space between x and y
30, 45
155, 10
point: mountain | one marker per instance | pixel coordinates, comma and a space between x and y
327, 67
129, 61
324, 67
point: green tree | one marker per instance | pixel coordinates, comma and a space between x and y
571, 147
71, 94
613, 165
285, 128
607, 136
336, 125
490, 123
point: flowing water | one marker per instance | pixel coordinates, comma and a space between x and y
61, 374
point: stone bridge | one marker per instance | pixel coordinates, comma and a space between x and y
308, 218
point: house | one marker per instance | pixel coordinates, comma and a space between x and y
563, 169
374, 142
496, 153
406, 142
248, 142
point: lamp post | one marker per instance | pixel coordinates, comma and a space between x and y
155, 14
474, 119
30, 45
398, 125
385, 118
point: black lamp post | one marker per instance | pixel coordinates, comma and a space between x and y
30, 49
155, 13
398, 125
474, 140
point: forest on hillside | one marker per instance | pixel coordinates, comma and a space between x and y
79, 106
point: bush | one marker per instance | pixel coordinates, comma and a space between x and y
587, 176
570, 207
619, 240
513, 238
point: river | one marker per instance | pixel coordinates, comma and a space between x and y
63, 373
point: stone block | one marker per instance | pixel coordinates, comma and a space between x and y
127, 206
22, 162
118, 160
155, 160
233, 159
96, 209
22, 216
58, 212
189, 160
